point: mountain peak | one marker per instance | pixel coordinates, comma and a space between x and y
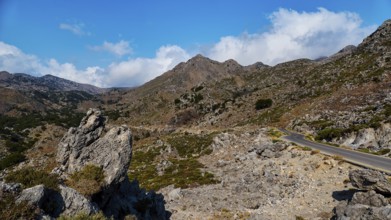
198, 58
379, 40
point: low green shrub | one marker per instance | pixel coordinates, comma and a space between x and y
263, 103
329, 133
183, 173
30, 177
192, 145
11, 211
84, 216
383, 151
11, 160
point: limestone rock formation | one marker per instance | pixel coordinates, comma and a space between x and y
372, 204
88, 144
84, 145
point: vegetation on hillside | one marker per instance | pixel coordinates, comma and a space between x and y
184, 170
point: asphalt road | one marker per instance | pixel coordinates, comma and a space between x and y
359, 158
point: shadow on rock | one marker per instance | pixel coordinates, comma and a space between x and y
344, 194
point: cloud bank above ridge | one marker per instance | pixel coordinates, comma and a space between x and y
292, 35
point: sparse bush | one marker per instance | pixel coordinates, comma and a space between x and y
275, 133
84, 216
383, 151
198, 97
11, 160
313, 152
87, 181
11, 211
263, 103
189, 145
30, 177
338, 157
329, 133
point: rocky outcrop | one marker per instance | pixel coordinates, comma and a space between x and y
84, 145
90, 144
370, 180
372, 203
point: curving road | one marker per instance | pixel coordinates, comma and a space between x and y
359, 158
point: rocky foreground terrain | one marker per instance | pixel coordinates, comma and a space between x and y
262, 178
252, 175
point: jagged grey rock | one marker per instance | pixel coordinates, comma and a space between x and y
361, 212
112, 151
83, 145
74, 202
370, 180
10, 187
34, 195
370, 198
366, 205
175, 194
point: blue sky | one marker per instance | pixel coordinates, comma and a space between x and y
126, 43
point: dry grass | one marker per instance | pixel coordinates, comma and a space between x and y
338, 157
87, 181
313, 152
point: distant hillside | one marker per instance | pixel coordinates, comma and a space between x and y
24, 94
20, 81
203, 92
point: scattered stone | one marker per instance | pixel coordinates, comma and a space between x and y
10, 187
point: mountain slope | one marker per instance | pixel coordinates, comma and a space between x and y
22, 81
208, 93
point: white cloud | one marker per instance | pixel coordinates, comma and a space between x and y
121, 48
140, 70
293, 35
132, 72
14, 60
76, 29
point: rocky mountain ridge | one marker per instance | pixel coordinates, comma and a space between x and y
25, 82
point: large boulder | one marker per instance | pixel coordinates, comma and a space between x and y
74, 202
370, 180
360, 212
34, 195
369, 204
66, 201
